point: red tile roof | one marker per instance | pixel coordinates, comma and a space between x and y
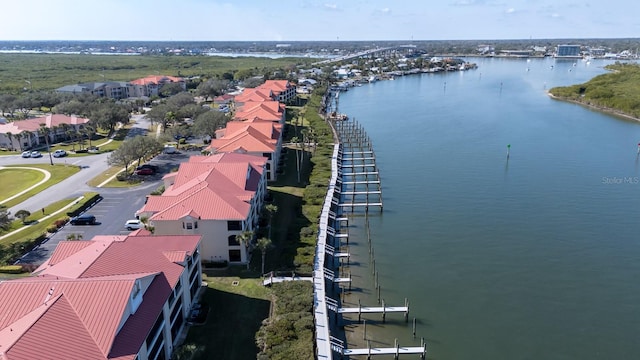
250, 138
253, 94
267, 128
210, 188
275, 86
80, 297
267, 110
156, 80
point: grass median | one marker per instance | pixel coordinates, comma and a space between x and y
36, 225
58, 172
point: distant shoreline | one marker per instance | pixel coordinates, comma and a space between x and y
609, 111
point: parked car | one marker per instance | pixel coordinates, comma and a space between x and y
84, 219
59, 153
36, 154
145, 171
26, 154
133, 224
148, 166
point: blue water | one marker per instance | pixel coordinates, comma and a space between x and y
531, 257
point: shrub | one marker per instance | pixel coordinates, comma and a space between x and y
61, 222
11, 269
51, 229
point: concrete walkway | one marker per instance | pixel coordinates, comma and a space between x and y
47, 176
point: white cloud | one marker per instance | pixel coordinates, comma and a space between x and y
331, 6
510, 11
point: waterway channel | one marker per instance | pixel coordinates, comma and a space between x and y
534, 256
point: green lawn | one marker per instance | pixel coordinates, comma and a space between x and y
16, 180
58, 173
235, 315
37, 227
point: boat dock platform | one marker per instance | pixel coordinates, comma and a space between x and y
338, 346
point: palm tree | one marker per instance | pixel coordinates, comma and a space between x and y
45, 131
65, 130
244, 238
271, 209
28, 135
71, 135
54, 132
19, 138
89, 131
10, 136
74, 236
263, 245
295, 141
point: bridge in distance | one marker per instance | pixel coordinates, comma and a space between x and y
367, 53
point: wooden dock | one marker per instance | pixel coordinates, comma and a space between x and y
384, 310
338, 346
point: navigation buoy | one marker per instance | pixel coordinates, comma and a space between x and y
509, 148
638, 148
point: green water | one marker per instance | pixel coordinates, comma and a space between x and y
534, 257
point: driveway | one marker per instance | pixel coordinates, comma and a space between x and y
71, 187
117, 206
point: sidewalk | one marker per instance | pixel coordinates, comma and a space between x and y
73, 202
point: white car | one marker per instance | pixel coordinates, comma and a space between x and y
133, 224
36, 154
26, 154
59, 153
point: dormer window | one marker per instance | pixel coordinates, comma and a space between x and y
136, 296
189, 225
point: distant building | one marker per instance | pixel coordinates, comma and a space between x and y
597, 51
516, 53
26, 134
112, 89
568, 51
151, 85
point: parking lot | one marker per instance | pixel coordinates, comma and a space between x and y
117, 206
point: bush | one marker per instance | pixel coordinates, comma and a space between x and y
52, 229
60, 222
122, 176
215, 264
11, 269
87, 204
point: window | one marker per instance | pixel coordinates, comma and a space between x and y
189, 226
235, 255
267, 155
234, 225
232, 241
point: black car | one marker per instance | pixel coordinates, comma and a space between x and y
84, 219
148, 166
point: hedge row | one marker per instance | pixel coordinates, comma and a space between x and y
87, 204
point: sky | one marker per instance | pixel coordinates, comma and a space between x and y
311, 20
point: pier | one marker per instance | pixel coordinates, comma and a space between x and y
354, 189
358, 182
